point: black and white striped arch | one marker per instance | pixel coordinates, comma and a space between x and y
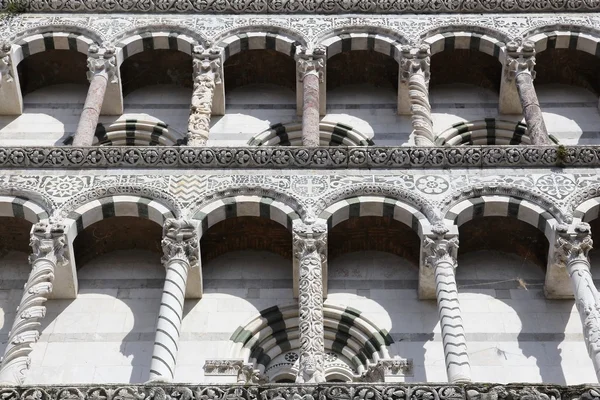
330, 134
363, 41
115, 206
38, 43
501, 206
587, 211
154, 41
275, 331
134, 132
375, 206
482, 132
258, 41
245, 206
449, 41
19, 207
566, 40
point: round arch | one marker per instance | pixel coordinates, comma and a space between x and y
587, 211
245, 206
330, 134
282, 42
28, 45
557, 37
165, 38
502, 206
134, 132
21, 207
115, 206
466, 38
363, 38
375, 206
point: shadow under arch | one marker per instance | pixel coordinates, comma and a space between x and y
331, 134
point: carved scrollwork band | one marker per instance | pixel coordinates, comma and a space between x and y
49, 244
310, 245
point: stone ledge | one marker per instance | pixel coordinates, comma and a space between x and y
300, 157
378, 391
308, 6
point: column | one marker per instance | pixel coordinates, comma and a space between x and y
310, 242
180, 247
310, 64
102, 69
572, 248
441, 251
48, 243
520, 61
415, 69
207, 74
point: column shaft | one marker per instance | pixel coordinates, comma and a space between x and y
536, 128
310, 110
453, 333
86, 129
170, 316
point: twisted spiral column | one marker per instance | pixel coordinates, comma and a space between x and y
572, 248
49, 243
415, 69
310, 243
180, 247
440, 254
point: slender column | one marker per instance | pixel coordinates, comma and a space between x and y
49, 243
520, 62
310, 242
102, 69
180, 247
440, 251
207, 74
415, 69
310, 73
572, 248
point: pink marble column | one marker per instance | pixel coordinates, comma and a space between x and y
310, 70
102, 68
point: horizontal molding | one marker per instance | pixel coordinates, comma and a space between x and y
307, 6
300, 157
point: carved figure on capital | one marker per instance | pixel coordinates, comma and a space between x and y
310, 61
440, 247
520, 58
180, 241
5, 63
48, 240
575, 245
102, 61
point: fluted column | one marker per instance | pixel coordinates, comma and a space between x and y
310, 73
572, 248
48, 243
441, 250
415, 69
310, 242
180, 247
207, 74
520, 61
102, 69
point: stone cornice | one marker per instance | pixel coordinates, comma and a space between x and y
300, 157
308, 6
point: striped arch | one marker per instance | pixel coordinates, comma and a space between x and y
38, 43
279, 42
245, 206
502, 206
115, 206
20, 207
376, 206
331, 134
134, 132
484, 132
587, 211
160, 40
380, 43
465, 40
566, 40
348, 333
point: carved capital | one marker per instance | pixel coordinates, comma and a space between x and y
207, 65
520, 58
310, 61
415, 60
392, 367
102, 61
573, 245
48, 241
309, 239
180, 241
5, 63
440, 247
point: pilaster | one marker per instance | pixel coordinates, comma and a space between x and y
11, 98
